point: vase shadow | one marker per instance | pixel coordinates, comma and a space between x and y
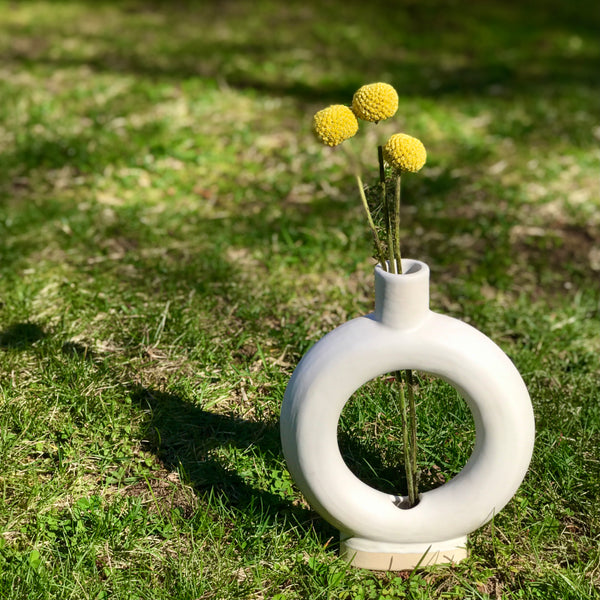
195, 442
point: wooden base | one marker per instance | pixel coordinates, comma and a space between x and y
381, 556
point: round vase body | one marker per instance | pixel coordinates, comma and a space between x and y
403, 333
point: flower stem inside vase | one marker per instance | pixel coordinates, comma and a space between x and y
390, 227
404, 380
371, 435
409, 429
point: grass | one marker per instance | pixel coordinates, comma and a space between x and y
173, 240
370, 434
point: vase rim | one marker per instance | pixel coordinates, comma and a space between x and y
410, 266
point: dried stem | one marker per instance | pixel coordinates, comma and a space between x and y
378, 244
387, 209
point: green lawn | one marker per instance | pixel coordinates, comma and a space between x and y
173, 239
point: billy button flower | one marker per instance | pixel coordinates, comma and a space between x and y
334, 124
405, 153
375, 102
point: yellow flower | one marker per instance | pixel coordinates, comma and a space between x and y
405, 153
334, 124
375, 102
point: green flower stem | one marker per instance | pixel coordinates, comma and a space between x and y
388, 212
408, 412
411, 453
406, 443
378, 244
397, 224
390, 236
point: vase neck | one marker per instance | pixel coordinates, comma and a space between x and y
402, 301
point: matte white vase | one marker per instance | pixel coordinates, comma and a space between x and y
403, 333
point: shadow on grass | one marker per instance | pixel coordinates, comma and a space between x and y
80, 351
197, 442
426, 48
368, 465
21, 335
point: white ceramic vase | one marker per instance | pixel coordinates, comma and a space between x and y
403, 333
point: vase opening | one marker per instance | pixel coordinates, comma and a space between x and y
414, 267
409, 267
370, 435
404, 503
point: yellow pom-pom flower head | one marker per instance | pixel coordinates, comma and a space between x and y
405, 153
375, 102
335, 124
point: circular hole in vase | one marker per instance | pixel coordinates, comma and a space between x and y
370, 434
